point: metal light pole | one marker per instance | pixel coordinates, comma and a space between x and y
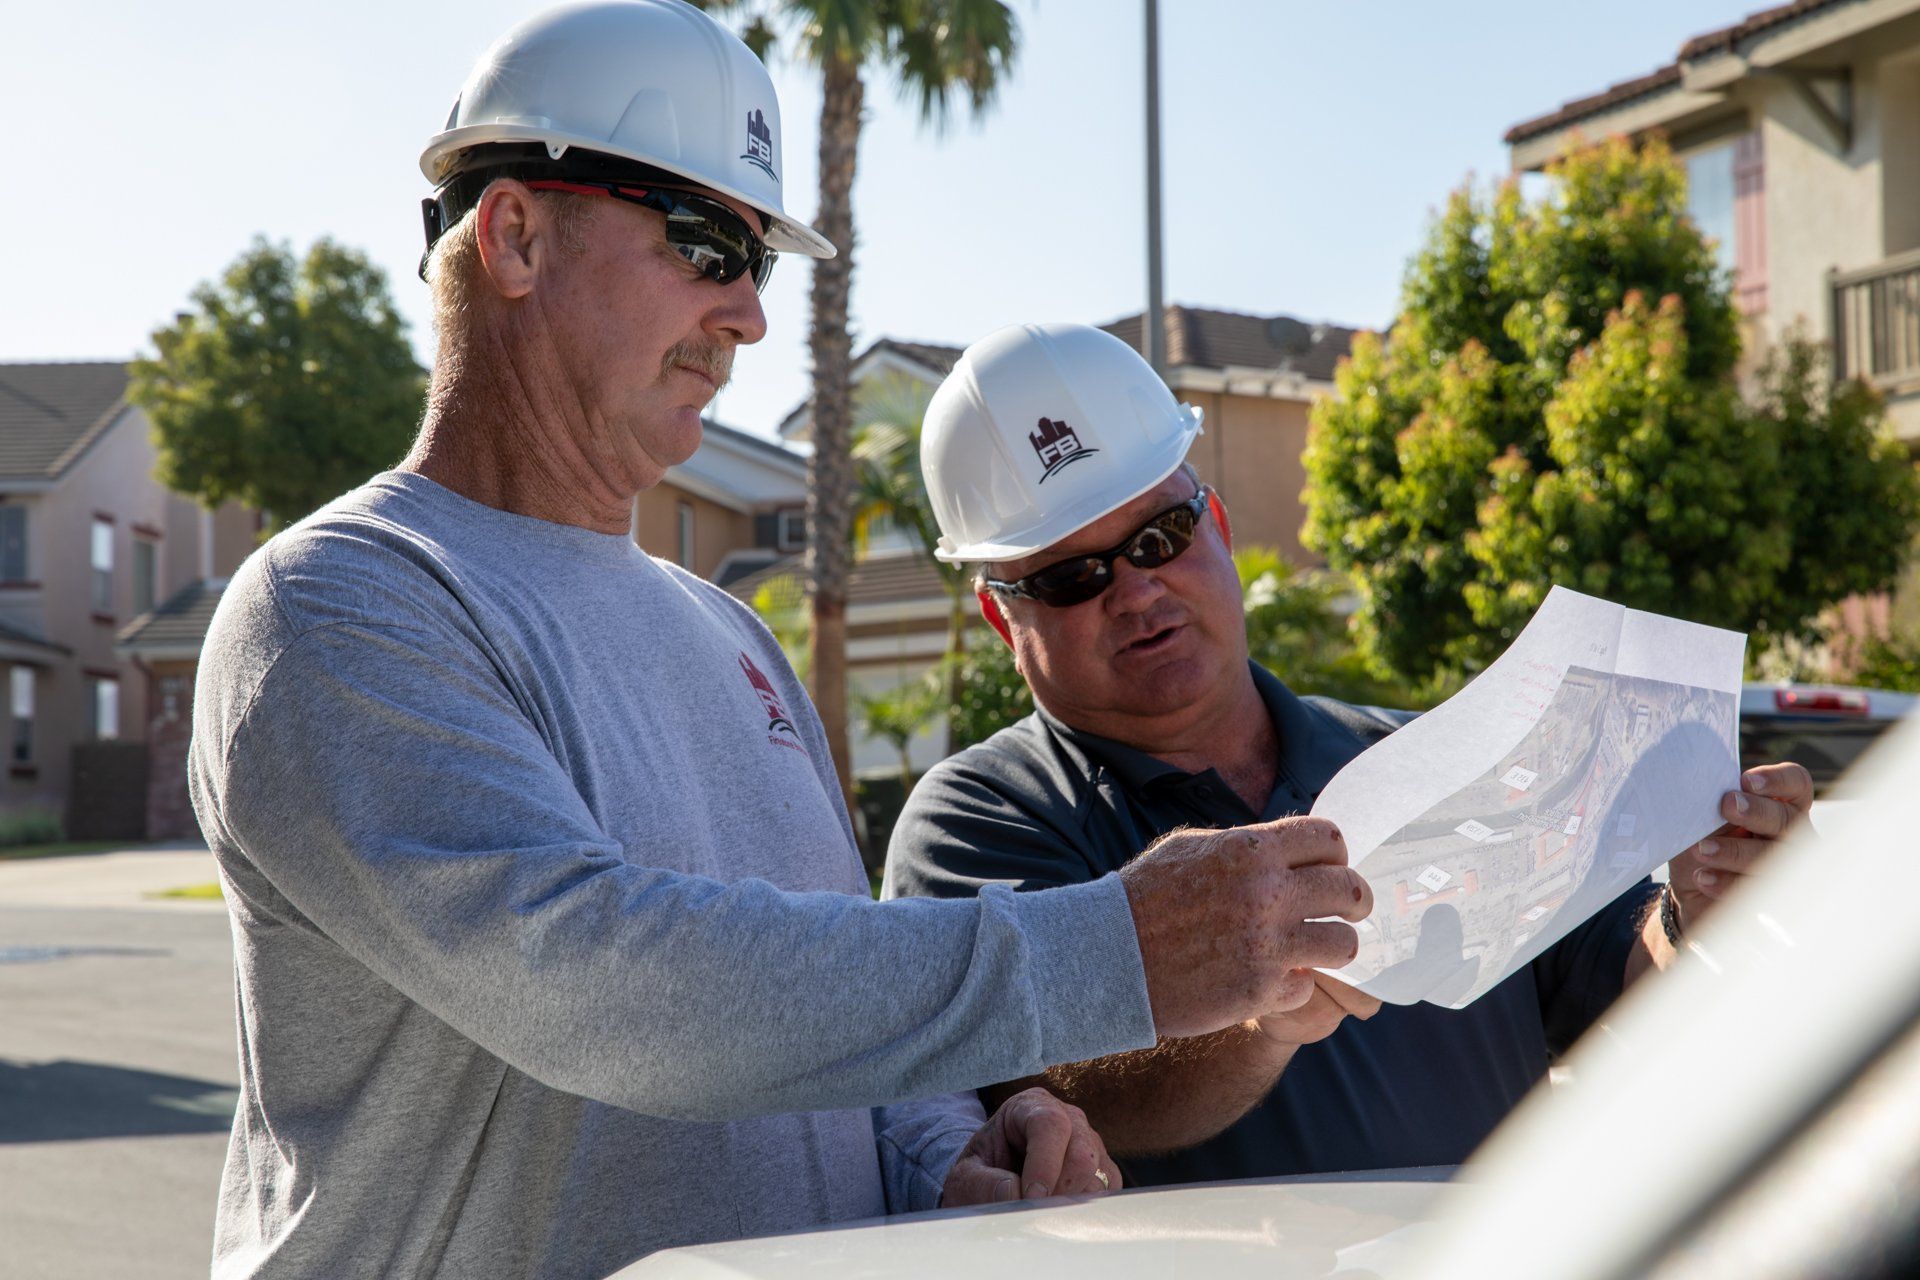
1154, 323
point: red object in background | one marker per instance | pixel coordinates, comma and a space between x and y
1837, 702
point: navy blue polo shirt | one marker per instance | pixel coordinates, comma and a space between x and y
1040, 804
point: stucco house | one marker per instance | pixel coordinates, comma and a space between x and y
738, 504
1800, 130
88, 541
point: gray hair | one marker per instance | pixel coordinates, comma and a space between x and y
453, 268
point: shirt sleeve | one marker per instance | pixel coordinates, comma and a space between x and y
918, 1143
963, 829
1579, 976
387, 785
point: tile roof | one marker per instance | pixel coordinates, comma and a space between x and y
1204, 338
179, 621
1753, 24
50, 413
934, 355
1198, 337
1707, 45
1580, 108
875, 580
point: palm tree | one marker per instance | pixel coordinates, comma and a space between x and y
940, 50
888, 489
898, 715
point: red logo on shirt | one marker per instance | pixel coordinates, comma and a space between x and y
777, 721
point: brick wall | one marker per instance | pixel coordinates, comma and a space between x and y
169, 812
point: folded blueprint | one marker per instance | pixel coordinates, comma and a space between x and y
1592, 751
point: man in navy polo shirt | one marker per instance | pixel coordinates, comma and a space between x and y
1106, 566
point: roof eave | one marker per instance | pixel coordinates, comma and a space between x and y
1661, 109
159, 650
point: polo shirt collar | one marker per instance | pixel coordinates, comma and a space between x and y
1308, 758
1309, 754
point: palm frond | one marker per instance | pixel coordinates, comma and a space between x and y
953, 49
849, 31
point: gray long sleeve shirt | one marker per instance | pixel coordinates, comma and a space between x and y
552, 945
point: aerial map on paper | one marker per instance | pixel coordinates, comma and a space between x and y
1591, 752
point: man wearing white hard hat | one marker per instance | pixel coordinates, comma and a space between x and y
552, 946
1054, 459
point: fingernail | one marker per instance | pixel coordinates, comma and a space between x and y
1036, 1190
1008, 1189
1754, 782
1707, 848
1706, 879
1740, 802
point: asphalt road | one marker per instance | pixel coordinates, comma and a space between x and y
117, 1067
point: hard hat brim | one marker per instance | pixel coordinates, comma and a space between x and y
439, 162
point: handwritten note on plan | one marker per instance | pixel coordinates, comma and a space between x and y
1593, 750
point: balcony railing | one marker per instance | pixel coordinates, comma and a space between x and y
1876, 322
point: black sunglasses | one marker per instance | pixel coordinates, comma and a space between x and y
702, 230
1079, 579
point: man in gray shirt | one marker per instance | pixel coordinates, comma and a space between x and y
552, 946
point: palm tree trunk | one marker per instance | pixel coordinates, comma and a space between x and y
830, 474
956, 651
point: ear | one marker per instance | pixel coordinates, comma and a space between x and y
990, 610
514, 237
1218, 506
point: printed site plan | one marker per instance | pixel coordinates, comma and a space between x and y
1594, 750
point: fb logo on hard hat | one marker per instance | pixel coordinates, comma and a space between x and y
1056, 444
759, 150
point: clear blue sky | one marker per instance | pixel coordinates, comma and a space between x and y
1305, 147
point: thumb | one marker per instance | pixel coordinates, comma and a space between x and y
1352, 1001
974, 1181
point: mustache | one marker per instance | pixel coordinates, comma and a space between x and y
714, 359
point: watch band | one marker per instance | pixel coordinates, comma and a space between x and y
1670, 917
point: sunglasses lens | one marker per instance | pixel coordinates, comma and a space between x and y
718, 241
1162, 540
1070, 582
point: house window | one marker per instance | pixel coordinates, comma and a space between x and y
1710, 198
793, 530
102, 565
104, 694
13, 544
21, 680
146, 561
173, 694
685, 558
1726, 196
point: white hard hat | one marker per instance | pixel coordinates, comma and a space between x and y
654, 82
1040, 430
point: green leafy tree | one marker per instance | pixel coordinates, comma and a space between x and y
1297, 629
286, 384
1557, 403
897, 715
1889, 662
940, 52
992, 694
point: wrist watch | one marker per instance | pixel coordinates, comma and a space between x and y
1670, 916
